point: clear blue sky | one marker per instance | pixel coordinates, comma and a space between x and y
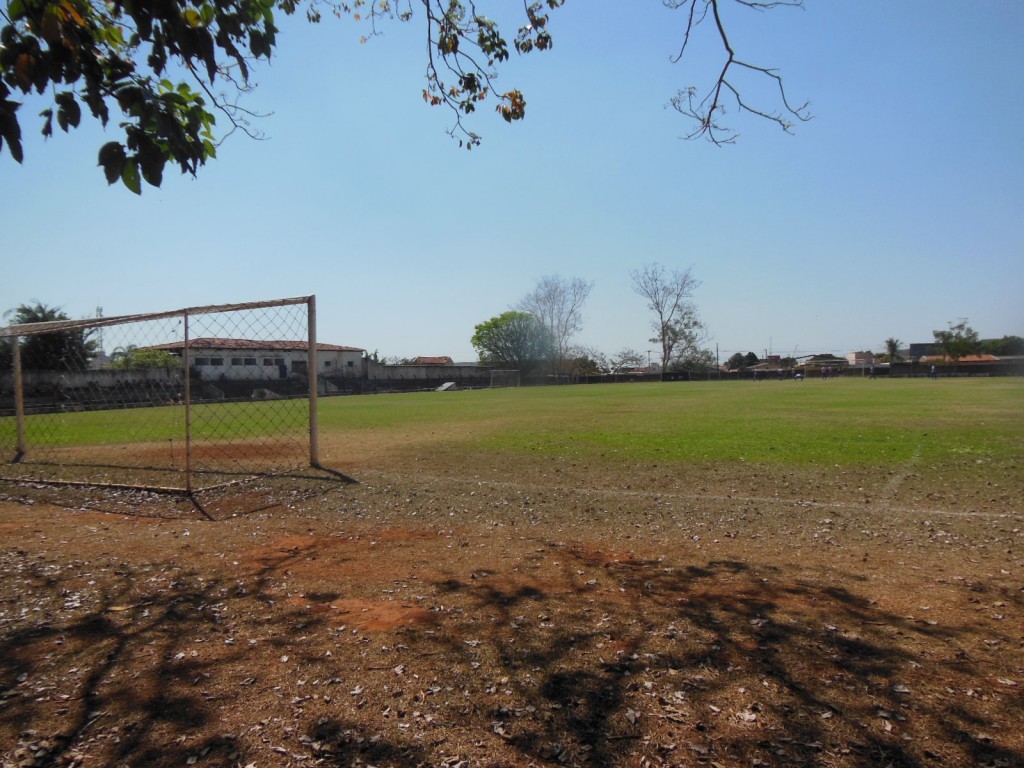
898, 209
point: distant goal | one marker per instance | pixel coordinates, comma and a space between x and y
504, 378
183, 400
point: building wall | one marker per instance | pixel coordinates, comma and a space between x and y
270, 364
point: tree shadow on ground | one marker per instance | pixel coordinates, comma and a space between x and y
169, 667
564, 655
655, 662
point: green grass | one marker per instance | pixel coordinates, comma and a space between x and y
214, 421
849, 421
845, 421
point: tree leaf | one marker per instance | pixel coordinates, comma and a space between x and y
10, 131
130, 176
112, 158
69, 112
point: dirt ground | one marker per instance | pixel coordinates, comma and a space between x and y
428, 613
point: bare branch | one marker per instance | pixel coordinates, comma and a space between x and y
704, 111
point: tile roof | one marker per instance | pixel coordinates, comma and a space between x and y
240, 344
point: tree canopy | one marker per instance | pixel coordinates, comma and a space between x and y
740, 362
60, 350
133, 357
513, 340
958, 340
166, 71
892, 349
1006, 346
677, 329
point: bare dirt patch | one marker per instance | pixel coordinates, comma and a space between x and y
445, 614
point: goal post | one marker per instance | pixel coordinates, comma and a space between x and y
504, 378
180, 401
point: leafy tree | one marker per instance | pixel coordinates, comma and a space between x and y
514, 340
740, 361
1005, 347
584, 365
587, 360
132, 357
892, 349
667, 294
63, 350
558, 304
166, 71
958, 340
696, 359
397, 360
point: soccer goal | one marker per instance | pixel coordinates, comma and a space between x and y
184, 400
504, 378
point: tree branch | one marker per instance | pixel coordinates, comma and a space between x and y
704, 110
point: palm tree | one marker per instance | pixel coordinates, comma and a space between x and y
892, 349
57, 350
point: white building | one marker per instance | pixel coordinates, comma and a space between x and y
216, 359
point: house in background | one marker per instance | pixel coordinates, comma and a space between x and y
860, 359
215, 359
239, 367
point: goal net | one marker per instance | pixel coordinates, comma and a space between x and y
504, 378
181, 400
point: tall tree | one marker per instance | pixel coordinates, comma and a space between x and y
668, 296
58, 350
688, 337
958, 340
514, 340
166, 71
558, 304
892, 349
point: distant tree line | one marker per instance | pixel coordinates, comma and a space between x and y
535, 338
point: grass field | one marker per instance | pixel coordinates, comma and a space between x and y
815, 574
878, 422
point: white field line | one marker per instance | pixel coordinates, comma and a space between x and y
897, 479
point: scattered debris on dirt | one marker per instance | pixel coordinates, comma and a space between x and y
457, 617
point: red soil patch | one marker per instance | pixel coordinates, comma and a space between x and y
408, 621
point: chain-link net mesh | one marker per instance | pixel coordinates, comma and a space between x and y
180, 400
504, 378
